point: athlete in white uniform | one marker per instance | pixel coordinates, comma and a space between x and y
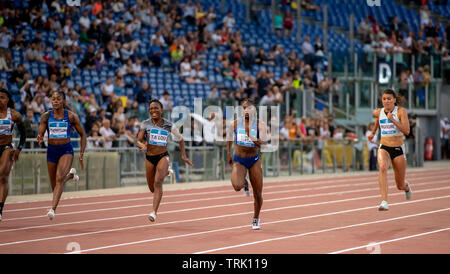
394, 124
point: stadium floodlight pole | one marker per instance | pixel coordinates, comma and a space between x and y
299, 27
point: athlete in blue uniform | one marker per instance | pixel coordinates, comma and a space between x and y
394, 124
58, 122
249, 133
8, 155
152, 139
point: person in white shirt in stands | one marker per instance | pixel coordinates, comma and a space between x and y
72, 44
308, 51
229, 21
185, 67
166, 101
158, 36
267, 99
84, 20
217, 37
107, 89
197, 76
126, 68
107, 133
189, 13
338, 134
5, 38
137, 69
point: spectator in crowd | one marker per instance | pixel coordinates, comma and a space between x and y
213, 96
17, 75
107, 89
95, 140
166, 101
419, 86
364, 29
156, 53
5, 38
288, 23
338, 133
308, 51
107, 133
197, 76
278, 23
34, 53
262, 83
30, 124
37, 105
229, 21
372, 146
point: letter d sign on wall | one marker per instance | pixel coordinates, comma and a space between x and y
384, 73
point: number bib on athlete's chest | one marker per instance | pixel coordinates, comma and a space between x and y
242, 138
5, 127
387, 127
158, 137
58, 130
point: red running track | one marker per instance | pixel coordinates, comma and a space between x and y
330, 214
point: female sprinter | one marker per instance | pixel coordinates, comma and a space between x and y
8, 155
59, 122
246, 156
156, 132
393, 122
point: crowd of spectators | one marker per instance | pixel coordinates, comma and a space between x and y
103, 38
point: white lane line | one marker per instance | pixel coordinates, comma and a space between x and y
215, 206
245, 226
321, 231
235, 214
199, 193
392, 240
198, 208
314, 181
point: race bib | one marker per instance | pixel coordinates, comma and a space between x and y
387, 127
5, 127
57, 130
158, 137
243, 139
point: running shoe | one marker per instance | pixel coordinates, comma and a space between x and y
152, 217
246, 189
383, 206
73, 171
0, 216
255, 224
51, 214
408, 193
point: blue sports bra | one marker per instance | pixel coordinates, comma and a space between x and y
59, 129
241, 136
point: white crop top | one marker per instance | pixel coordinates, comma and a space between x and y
387, 128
